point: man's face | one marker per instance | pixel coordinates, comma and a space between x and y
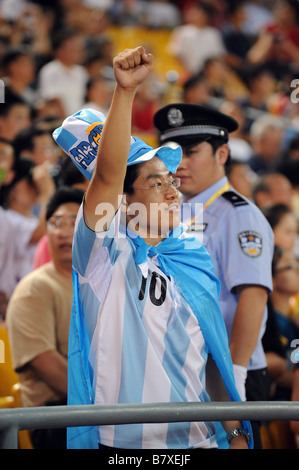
60, 229
16, 120
44, 149
199, 169
24, 68
154, 208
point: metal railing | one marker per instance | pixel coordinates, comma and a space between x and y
16, 419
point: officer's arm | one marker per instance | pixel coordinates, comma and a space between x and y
131, 67
247, 322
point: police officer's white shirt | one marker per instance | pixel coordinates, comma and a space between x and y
240, 242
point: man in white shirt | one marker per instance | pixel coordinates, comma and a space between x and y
196, 41
64, 79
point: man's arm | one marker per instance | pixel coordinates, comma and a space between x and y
245, 330
51, 367
131, 67
46, 188
247, 322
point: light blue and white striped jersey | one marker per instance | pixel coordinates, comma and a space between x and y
145, 342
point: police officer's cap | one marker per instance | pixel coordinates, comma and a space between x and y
187, 124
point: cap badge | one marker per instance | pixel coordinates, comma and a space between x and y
175, 117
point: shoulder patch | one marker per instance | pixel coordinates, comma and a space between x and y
251, 243
235, 199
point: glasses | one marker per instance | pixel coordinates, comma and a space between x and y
57, 223
294, 266
162, 186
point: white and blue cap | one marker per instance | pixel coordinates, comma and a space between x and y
79, 136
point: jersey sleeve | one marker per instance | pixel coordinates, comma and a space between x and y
93, 249
245, 249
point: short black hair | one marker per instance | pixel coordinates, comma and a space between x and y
69, 174
23, 171
13, 53
11, 100
131, 175
205, 6
61, 36
63, 195
25, 139
193, 81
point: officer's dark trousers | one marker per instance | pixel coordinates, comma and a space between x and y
257, 389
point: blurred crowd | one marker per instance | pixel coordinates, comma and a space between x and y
241, 57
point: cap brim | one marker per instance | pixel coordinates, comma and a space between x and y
170, 155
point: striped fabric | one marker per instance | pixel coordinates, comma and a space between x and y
141, 351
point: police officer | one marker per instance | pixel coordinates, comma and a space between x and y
233, 230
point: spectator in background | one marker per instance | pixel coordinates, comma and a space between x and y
284, 225
285, 284
239, 146
38, 145
278, 44
15, 115
281, 330
261, 85
224, 83
31, 184
257, 16
272, 188
98, 55
38, 318
196, 90
19, 68
146, 103
99, 90
196, 30
162, 14
289, 167
69, 175
241, 177
236, 41
128, 12
266, 134
7, 277
64, 78
34, 27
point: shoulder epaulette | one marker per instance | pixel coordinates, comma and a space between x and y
235, 198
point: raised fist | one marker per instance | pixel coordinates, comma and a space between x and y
132, 66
